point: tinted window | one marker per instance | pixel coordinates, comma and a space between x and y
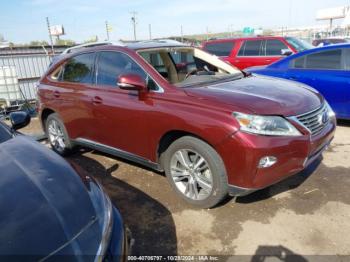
112, 64
220, 49
299, 62
347, 58
251, 48
79, 69
324, 60
274, 47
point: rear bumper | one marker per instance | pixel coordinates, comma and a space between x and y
242, 152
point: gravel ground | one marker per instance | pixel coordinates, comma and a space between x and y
305, 215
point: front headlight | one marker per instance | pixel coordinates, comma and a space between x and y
265, 125
331, 113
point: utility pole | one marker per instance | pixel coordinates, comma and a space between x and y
231, 30
182, 34
207, 33
107, 30
150, 31
50, 35
134, 22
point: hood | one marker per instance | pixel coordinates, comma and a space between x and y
44, 203
261, 95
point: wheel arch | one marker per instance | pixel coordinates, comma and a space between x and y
45, 114
169, 137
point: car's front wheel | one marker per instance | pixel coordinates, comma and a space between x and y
196, 172
57, 135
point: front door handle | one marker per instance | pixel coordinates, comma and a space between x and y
97, 100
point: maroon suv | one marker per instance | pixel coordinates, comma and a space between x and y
213, 129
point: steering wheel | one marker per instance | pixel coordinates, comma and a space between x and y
192, 72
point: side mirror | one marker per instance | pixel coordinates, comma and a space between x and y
19, 120
286, 52
131, 82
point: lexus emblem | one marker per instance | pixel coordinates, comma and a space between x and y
322, 119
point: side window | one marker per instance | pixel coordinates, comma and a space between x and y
220, 49
112, 64
251, 48
156, 61
274, 47
324, 60
346, 54
79, 69
298, 62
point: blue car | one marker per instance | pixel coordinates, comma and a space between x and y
51, 210
327, 69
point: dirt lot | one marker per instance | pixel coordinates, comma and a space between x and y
308, 214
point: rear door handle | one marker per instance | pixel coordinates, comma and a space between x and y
56, 94
97, 100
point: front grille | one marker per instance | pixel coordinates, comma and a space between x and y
315, 121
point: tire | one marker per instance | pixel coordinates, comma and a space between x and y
204, 186
60, 144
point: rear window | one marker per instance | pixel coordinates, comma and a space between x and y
79, 69
220, 49
251, 48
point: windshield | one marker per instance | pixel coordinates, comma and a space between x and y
187, 66
298, 44
4, 133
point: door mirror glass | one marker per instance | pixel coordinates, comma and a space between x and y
131, 82
19, 119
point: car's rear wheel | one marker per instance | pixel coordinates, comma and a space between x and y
57, 135
196, 172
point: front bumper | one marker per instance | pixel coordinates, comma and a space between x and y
242, 152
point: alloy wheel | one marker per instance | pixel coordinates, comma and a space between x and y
56, 136
191, 174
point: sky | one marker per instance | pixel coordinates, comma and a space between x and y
22, 21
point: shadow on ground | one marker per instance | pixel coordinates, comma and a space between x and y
151, 223
345, 123
276, 253
285, 185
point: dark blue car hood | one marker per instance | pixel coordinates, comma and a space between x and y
45, 206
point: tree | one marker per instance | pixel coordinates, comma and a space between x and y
67, 42
38, 43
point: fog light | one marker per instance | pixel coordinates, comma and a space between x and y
267, 161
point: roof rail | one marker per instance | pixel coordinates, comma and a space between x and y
87, 45
164, 40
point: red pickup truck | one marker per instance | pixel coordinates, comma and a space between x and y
254, 51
